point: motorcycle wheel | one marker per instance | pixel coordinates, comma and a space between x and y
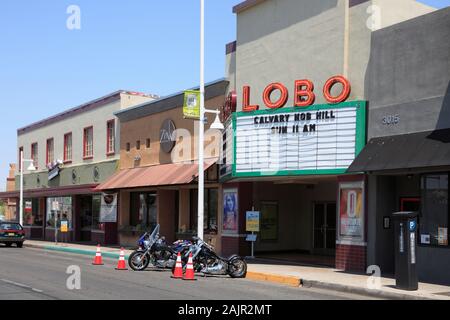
138, 261
237, 268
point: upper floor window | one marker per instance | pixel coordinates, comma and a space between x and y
68, 147
34, 154
138, 145
110, 137
50, 156
88, 143
147, 143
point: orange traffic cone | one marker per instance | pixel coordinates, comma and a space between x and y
98, 257
178, 271
189, 275
121, 264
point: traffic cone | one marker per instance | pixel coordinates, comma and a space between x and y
189, 275
178, 271
121, 264
98, 257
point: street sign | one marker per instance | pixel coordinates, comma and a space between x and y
251, 238
191, 105
252, 221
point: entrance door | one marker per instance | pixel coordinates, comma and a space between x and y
324, 228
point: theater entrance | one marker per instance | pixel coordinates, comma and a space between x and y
324, 228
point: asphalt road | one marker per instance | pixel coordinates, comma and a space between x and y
38, 274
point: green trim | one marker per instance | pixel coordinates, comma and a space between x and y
361, 125
81, 251
233, 166
360, 139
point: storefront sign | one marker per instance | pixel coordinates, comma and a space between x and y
229, 107
442, 236
230, 211
191, 105
351, 211
53, 170
166, 136
28, 206
108, 208
321, 139
304, 95
64, 226
252, 221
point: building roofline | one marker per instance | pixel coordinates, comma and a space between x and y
169, 102
246, 5
80, 109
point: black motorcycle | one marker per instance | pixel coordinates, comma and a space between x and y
206, 261
154, 249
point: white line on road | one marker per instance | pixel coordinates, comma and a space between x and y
17, 284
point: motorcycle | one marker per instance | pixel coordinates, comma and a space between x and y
154, 249
206, 261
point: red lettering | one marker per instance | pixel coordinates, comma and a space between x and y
304, 88
246, 107
345, 90
283, 96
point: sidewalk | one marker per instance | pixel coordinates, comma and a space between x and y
293, 275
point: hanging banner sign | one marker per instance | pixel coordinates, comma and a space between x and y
108, 208
191, 105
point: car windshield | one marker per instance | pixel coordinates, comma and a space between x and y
10, 226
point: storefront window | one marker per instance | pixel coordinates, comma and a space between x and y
61, 206
32, 216
210, 210
435, 212
143, 211
90, 213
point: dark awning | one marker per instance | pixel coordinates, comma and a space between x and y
407, 151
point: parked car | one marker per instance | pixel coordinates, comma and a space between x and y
11, 232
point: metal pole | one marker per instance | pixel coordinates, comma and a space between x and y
21, 190
201, 182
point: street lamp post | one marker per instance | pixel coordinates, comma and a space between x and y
30, 168
201, 178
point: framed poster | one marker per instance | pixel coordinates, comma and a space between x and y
252, 221
351, 211
108, 208
269, 221
230, 211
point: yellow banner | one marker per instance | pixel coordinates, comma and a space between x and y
191, 105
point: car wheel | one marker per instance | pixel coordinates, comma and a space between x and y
19, 244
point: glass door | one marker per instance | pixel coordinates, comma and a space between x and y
324, 228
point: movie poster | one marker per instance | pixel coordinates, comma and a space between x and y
351, 211
230, 211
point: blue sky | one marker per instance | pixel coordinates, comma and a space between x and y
140, 45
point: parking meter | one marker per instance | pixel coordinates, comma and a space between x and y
405, 250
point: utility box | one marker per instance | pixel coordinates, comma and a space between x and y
405, 226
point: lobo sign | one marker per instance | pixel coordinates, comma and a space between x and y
304, 95
319, 139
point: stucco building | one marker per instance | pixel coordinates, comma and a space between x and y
72, 152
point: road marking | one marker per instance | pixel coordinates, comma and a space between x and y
17, 284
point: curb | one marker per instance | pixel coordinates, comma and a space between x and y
362, 291
75, 251
286, 280
299, 282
